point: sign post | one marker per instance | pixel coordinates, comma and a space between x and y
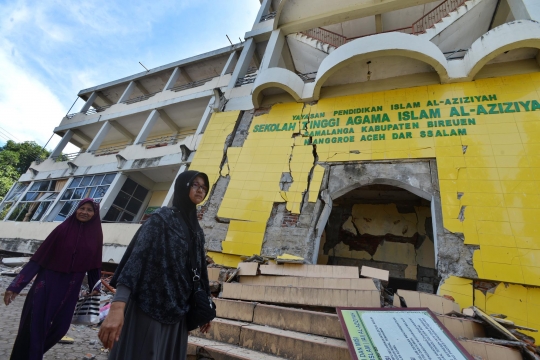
398, 334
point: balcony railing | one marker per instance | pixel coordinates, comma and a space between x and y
160, 142
140, 98
110, 150
435, 15
191, 85
98, 109
308, 77
249, 78
455, 54
65, 157
418, 27
268, 16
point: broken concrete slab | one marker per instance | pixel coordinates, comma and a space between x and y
235, 310
302, 296
221, 351
213, 274
485, 351
293, 345
304, 321
435, 303
462, 328
319, 283
248, 268
375, 273
324, 271
222, 330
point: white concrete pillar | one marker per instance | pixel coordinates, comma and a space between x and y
102, 133
229, 66
168, 199
206, 117
244, 60
62, 144
93, 96
127, 93
147, 127
18, 201
172, 80
273, 50
525, 9
111, 193
263, 10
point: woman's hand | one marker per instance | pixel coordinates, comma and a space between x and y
205, 328
111, 328
9, 296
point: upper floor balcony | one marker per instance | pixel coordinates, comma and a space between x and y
320, 51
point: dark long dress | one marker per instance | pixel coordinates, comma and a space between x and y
48, 308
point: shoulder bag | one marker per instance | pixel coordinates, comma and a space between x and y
202, 309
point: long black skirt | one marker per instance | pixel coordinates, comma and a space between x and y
143, 338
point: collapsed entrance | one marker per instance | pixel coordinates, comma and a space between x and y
385, 227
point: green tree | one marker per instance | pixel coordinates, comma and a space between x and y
15, 159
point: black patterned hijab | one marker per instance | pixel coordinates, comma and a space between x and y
183, 205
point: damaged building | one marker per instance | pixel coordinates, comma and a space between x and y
402, 135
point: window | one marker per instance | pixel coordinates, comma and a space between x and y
36, 201
92, 186
127, 204
12, 198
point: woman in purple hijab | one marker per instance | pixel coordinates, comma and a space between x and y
59, 265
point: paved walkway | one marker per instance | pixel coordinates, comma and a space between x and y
86, 340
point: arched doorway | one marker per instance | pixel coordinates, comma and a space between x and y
386, 227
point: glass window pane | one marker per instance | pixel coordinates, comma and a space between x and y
40, 211
53, 196
78, 193
86, 181
46, 196
100, 192
44, 185
129, 186
112, 214
52, 185
67, 194
140, 193
108, 179
121, 199
35, 187
126, 217
30, 196
75, 182
97, 180
19, 213
88, 192
5, 210
65, 211
133, 206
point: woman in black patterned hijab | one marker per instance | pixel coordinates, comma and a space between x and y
154, 282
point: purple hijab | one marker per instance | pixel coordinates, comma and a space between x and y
74, 246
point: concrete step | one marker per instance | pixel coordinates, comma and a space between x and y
302, 296
221, 351
282, 343
304, 321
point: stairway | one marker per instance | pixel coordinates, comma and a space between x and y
247, 330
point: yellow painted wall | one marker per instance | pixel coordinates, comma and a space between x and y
157, 199
498, 174
519, 303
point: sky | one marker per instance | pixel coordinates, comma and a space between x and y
49, 50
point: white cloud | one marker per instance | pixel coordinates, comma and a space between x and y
49, 50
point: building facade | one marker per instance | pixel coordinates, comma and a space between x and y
402, 135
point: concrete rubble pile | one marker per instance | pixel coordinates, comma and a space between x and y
287, 311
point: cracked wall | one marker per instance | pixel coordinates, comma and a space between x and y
487, 173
